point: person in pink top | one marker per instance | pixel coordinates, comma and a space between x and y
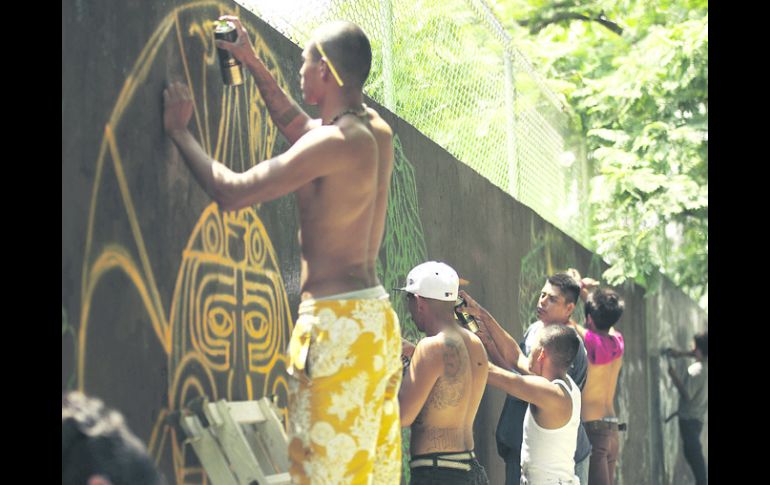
604, 346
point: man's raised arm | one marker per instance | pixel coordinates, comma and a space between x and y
533, 389
290, 119
507, 354
319, 153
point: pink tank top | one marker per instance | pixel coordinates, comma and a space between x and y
602, 349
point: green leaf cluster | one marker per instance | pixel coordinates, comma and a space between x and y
640, 100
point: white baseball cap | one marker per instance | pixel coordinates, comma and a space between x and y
434, 280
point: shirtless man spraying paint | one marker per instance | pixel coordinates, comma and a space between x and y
444, 383
344, 350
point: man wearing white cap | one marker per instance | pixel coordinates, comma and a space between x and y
443, 385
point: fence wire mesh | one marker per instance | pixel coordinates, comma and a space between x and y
449, 69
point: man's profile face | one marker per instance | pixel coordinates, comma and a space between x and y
411, 304
309, 75
552, 306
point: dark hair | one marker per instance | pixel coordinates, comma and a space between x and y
702, 342
605, 308
566, 285
96, 441
348, 49
562, 344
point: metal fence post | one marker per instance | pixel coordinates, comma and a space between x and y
485, 12
510, 133
386, 14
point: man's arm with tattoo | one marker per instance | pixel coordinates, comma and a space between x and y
290, 119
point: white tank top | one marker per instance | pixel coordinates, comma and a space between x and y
548, 455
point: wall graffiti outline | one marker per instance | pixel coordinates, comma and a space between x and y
200, 328
259, 317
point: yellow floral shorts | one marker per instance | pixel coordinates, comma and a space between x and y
344, 425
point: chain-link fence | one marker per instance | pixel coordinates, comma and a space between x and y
450, 69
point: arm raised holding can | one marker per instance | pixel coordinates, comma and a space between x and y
291, 120
319, 153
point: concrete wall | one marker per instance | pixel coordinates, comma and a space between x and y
165, 298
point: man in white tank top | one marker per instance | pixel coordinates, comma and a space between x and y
553, 415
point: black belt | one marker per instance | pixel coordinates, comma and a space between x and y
444, 460
600, 425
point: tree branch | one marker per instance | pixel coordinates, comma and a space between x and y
607, 23
537, 24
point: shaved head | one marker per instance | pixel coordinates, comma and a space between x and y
347, 48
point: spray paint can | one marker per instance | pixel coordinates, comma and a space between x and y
232, 70
465, 319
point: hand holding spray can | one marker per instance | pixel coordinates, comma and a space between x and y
465, 319
232, 70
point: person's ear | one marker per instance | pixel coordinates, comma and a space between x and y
324, 69
570, 308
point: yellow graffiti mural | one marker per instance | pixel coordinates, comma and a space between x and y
229, 320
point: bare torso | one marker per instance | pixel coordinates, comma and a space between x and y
342, 215
445, 423
599, 391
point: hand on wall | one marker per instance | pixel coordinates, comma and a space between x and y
177, 107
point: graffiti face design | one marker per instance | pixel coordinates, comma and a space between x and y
229, 298
229, 320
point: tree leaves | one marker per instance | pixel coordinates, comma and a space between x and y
642, 103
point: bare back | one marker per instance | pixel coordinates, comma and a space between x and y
599, 391
445, 423
342, 215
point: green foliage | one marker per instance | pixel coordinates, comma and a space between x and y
641, 101
635, 75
